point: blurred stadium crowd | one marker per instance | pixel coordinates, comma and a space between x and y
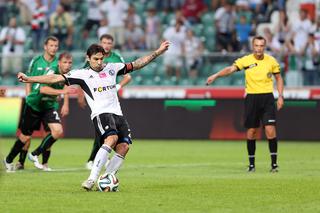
206, 35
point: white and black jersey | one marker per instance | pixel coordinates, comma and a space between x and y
100, 87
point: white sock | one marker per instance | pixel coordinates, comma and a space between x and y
115, 163
99, 161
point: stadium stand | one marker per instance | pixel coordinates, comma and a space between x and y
259, 16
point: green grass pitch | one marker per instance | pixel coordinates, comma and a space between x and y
170, 176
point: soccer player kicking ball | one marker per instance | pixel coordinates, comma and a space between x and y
99, 85
259, 69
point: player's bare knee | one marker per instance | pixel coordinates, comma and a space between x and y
57, 133
111, 140
24, 138
251, 133
270, 132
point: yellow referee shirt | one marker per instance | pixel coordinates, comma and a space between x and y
258, 73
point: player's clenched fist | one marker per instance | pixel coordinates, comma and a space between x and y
164, 46
22, 77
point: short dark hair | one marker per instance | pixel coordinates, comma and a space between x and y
50, 38
106, 36
66, 55
259, 38
94, 49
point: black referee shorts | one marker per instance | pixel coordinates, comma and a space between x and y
107, 124
259, 108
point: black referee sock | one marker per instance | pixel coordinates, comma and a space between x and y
273, 147
22, 156
15, 150
46, 156
251, 147
45, 144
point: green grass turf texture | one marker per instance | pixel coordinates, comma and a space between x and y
170, 176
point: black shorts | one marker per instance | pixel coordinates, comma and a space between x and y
259, 108
31, 119
107, 124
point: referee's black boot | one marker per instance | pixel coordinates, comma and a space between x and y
274, 168
251, 168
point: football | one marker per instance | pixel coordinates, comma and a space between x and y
108, 183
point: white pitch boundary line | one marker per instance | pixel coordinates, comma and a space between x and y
149, 166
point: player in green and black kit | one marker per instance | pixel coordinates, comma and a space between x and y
41, 65
106, 41
41, 105
49, 102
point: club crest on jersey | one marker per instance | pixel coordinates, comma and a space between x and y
102, 75
111, 72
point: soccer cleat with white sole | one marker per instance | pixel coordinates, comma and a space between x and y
35, 161
8, 166
251, 168
274, 168
46, 168
88, 185
89, 165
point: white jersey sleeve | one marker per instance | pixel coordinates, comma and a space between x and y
122, 68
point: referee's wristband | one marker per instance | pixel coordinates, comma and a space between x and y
280, 96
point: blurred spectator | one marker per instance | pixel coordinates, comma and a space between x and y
193, 54
317, 31
94, 16
19, 10
3, 12
13, 9
299, 37
52, 6
61, 26
193, 10
255, 5
311, 61
134, 38
263, 12
114, 11
152, 29
181, 18
38, 25
273, 45
243, 30
281, 4
12, 37
283, 29
103, 28
243, 9
133, 17
172, 59
225, 24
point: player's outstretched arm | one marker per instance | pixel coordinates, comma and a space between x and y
143, 61
224, 72
43, 79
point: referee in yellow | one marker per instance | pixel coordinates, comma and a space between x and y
259, 69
